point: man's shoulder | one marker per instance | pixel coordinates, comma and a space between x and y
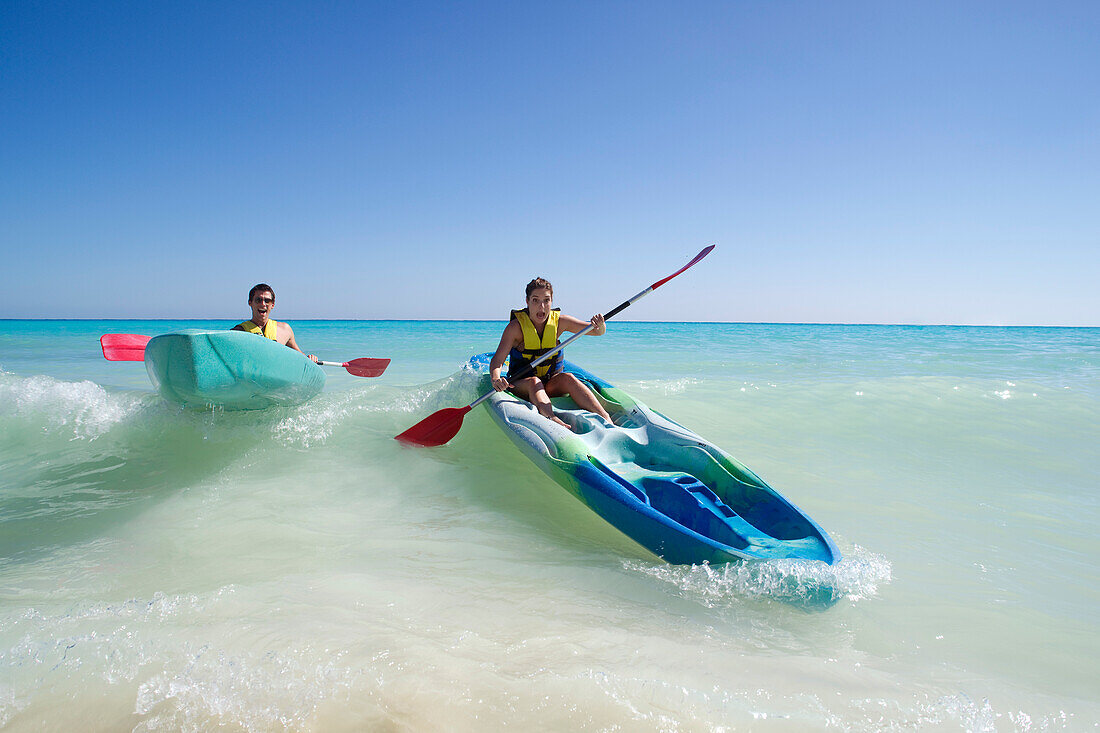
283, 332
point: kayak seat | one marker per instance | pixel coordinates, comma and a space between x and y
582, 421
620, 416
627, 418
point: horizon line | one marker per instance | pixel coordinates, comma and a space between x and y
498, 320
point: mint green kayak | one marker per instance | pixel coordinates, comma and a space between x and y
230, 369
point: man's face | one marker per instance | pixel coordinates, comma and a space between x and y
262, 303
539, 304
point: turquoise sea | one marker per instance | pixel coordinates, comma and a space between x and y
298, 569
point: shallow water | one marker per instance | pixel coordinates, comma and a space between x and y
167, 569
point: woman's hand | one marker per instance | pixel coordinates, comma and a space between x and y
499, 383
599, 327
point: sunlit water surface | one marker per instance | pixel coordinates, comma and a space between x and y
298, 569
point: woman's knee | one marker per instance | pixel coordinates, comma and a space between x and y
530, 385
577, 387
565, 383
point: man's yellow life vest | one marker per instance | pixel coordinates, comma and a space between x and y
270, 329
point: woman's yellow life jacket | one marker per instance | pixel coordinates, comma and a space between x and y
534, 347
270, 329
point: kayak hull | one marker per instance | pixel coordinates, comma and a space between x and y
233, 370
670, 490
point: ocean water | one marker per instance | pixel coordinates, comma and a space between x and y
298, 569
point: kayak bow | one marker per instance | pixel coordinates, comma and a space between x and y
231, 369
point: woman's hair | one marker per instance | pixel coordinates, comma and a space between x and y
536, 284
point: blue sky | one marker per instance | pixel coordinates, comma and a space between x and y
933, 162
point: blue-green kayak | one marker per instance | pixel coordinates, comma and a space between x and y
230, 369
671, 491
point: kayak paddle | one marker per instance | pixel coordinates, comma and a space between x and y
123, 346
131, 347
365, 367
441, 426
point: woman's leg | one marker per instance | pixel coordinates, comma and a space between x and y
565, 383
533, 390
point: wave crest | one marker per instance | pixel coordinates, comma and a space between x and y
83, 409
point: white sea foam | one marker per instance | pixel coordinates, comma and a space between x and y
856, 577
10, 703
314, 422
256, 691
665, 386
81, 409
452, 391
981, 715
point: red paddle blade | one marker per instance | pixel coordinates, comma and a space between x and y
436, 429
705, 251
366, 367
123, 346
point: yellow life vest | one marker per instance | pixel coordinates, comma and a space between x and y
534, 346
270, 330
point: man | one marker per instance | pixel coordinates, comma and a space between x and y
261, 299
532, 332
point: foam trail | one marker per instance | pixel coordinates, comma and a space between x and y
802, 583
